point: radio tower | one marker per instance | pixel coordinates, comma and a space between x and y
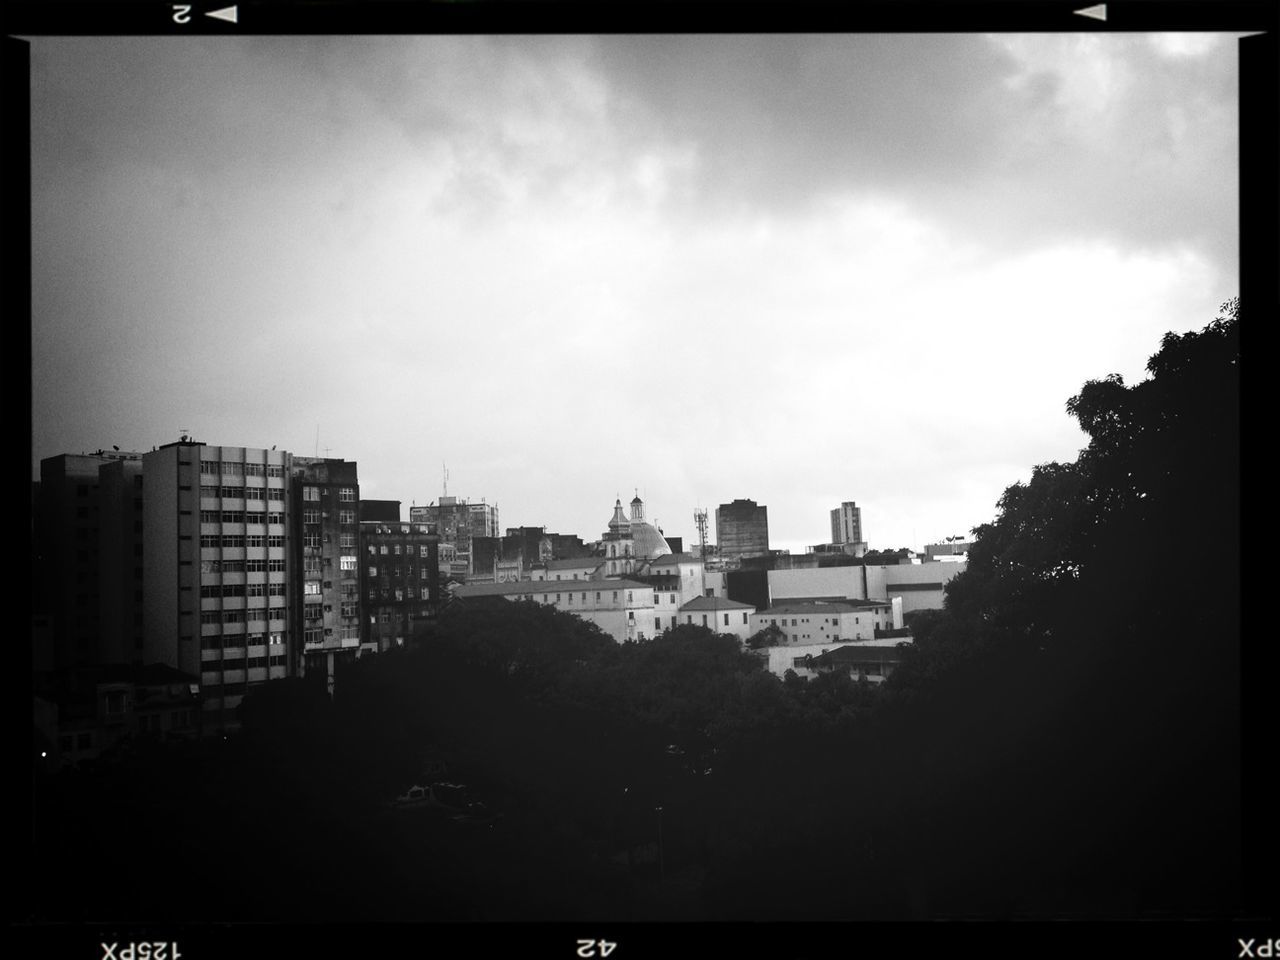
700, 518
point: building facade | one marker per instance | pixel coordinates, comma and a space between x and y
828, 622
217, 552
846, 524
326, 557
399, 582
621, 608
457, 521
742, 530
718, 614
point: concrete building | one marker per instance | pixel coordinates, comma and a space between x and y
457, 521
825, 622
846, 525
676, 579
71, 552
950, 551
217, 549
584, 568
917, 586
326, 555
862, 661
621, 608
399, 582
718, 614
742, 530
120, 546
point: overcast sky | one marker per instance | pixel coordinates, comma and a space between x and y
796, 269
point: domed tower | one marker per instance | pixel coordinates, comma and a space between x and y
647, 543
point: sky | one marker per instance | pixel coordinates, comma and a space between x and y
797, 269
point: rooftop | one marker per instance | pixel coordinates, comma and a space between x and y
520, 587
844, 606
714, 603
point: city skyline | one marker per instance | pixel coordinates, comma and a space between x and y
797, 270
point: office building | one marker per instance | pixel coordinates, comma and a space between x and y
742, 530
399, 582
846, 524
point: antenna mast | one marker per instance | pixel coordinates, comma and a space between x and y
700, 518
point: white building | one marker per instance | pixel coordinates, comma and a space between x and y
629, 542
919, 586
718, 614
621, 608
829, 622
583, 568
217, 543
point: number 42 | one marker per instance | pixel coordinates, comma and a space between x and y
587, 948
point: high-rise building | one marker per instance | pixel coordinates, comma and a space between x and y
326, 554
846, 523
742, 529
217, 550
69, 544
399, 582
120, 546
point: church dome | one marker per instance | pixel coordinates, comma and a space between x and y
648, 542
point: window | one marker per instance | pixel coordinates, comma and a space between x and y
347, 541
276, 541
347, 562
346, 516
277, 589
275, 470
255, 493
310, 493
210, 516
422, 550
257, 518
233, 516
384, 550
347, 494
311, 540
255, 540
275, 518
236, 541
704, 619
209, 490
209, 467
232, 469
255, 566
726, 619
396, 550
311, 587
275, 566
275, 493
310, 516
373, 571
210, 566
744, 618
254, 470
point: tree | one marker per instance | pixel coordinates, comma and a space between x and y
770, 636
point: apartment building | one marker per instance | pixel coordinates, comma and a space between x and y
399, 581
217, 551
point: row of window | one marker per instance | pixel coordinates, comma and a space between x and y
238, 540
256, 639
244, 493
315, 516
256, 517
399, 593
424, 573
404, 528
214, 666
243, 590
241, 566
230, 468
345, 494
395, 550
251, 615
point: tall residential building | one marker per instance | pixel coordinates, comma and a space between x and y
326, 553
846, 523
398, 581
120, 540
217, 549
742, 529
68, 539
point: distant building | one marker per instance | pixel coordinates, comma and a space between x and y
69, 542
676, 579
718, 614
326, 553
585, 568
399, 582
621, 608
742, 529
629, 542
950, 551
846, 524
918, 586
457, 522
864, 662
820, 622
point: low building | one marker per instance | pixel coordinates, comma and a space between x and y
91, 712
621, 608
580, 568
829, 622
718, 614
918, 586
